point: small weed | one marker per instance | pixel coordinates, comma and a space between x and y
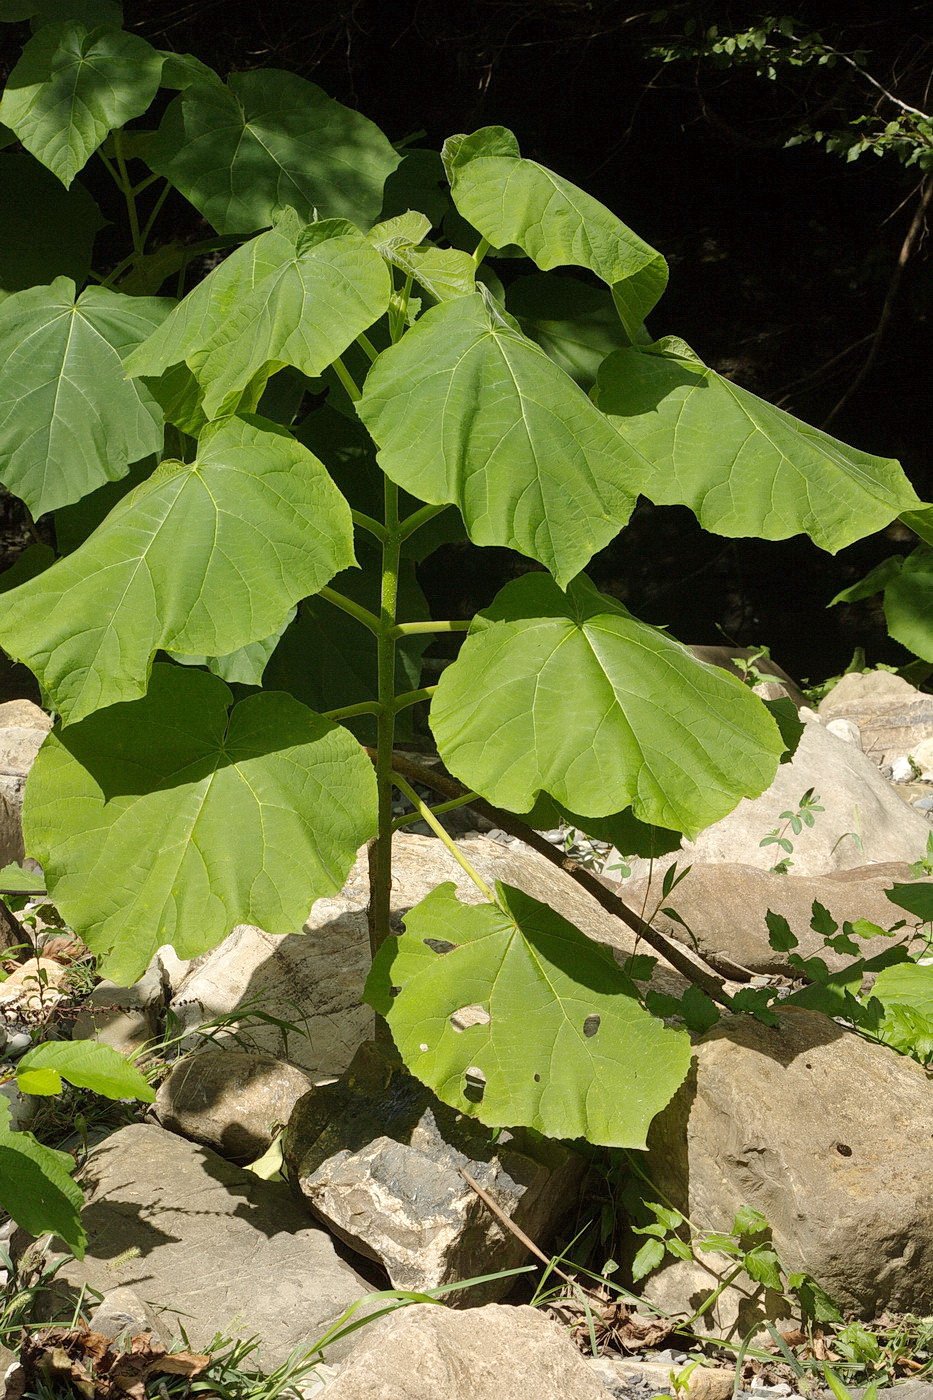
804, 816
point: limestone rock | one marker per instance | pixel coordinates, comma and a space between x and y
123, 1017
32, 986
122, 1313
824, 1133
725, 907
230, 1100
863, 822
425, 1352
379, 1158
23, 726
315, 979
892, 715
620, 1374
210, 1246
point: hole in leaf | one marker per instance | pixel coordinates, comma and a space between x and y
537, 1079
439, 945
469, 1016
394, 991
475, 1085
591, 1025
423, 1048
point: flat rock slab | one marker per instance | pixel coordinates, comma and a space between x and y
824, 1133
725, 907
215, 1249
426, 1352
894, 718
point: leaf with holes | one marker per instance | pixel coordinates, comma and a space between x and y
173, 818
524, 1020
297, 295
466, 410
88, 1064
265, 140
743, 466
512, 200
201, 558
69, 418
72, 87
649, 724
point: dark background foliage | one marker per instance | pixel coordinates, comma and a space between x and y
785, 261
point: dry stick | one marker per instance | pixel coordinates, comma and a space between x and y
518, 1233
689, 964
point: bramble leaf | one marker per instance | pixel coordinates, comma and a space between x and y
69, 418
201, 558
88, 1064
743, 466
556, 1038
465, 409
650, 724
72, 86
170, 819
267, 139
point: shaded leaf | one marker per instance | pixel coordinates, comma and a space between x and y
266, 139
69, 418
908, 604
201, 558
917, 899
650, 725
36, 1187
72, 86
565, 1048
743, 466
578, 325
173, 818
45, 232
466, 410
88, 1064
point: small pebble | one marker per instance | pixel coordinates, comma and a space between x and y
902, 770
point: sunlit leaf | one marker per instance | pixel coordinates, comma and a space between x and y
88, 1064
561, 1042
36, 1187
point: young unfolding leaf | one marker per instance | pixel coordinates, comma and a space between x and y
202, 558
743, 466
171, 819
265, 140
511, 200
649, 724
72, 86
69, 418
524, 1020
89, 1064
467, 410
297, 295
36, 1187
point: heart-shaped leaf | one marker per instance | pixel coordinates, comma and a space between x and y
569, 694
576, 324
173, 818
297, 295
72, 87
89, 1064
550, 1032
69, 418
201, 558
511, 200
467, 410
265, 140
743, 466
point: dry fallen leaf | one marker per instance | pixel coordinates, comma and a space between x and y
93, 1366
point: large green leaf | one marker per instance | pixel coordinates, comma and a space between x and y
173, 818
36, 1187
69, 418
555, 1037
511, 200
294, 296
467, 410
88, 1064
45, 231
246, 665
576, 324
201, 558
906, 984
72, 86
266, 140
743, 466
570, 694
908, 603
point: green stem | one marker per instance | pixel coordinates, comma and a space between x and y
365, 707
347, 605
464, 801
367, 347
366, 522
347, 380
398, 311
126, 185
380, 852
427, 814
413, 697
156, 208
420, 517
480, 251
414, 629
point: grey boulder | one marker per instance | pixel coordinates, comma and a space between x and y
23, 726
